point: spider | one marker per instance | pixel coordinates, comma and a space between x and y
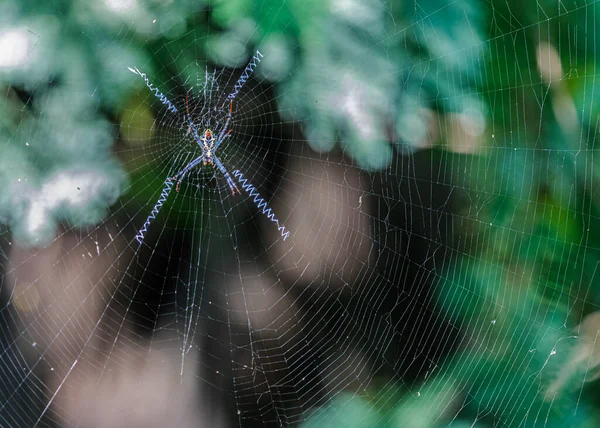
209, 144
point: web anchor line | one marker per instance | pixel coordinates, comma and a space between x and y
163, 197
163, 99
261, 204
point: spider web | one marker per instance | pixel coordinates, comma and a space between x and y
432, 162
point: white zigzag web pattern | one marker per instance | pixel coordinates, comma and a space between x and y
163, 99
260, 203
163, 197
246, 74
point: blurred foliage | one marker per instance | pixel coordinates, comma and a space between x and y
367, 76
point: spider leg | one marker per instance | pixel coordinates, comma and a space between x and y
236, 89
181, 174
220, 139
195, 131
230, 182
224, 131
